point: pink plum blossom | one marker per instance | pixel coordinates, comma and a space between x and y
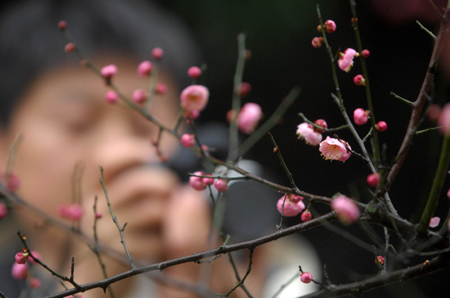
139, 95
317, 42
379, 260
109, 71
19, 271
35, 255
381, 126
365, 53
111, 96
444, 120
335, 149
144, 68
359, 80
321, 123
448, 193
3, 210
197, 182
434, 222
244, 89
161, 88
188, 140
293, 205
208, 181
157, 53
194, 72
194, 98
330, 26
373, 179
72, 212
306, 215
35, 283
360, 116
306, 131
21, 257
346, 210
70, 47
345, 61
249, 117
306, 277
221, 185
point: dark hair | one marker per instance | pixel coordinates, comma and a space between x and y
30, 41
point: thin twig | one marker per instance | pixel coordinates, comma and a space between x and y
280, 157
121, 229
241, 281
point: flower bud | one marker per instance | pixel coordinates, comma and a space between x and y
434, 112
109, 71
208, 181
13, 182
319, 28
346, 210
379, 260
35, 283
197, 182
111, 97
360, 116
381, 126
70, 47
194, 98
434, 222
249, 117
373, 179
161, 89
19, 271
139, 95
321, 123
365, 53
444, 120
221, 185
21, 257
188, 140
359, 80
144, 68
306, 277
62, 25
317, 42
306, 215
244, 89
194, 72
157, 53
330, 26
36, 255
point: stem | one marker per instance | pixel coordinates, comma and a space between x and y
121, 229
236, 101
425, 29
241, 281
438, 182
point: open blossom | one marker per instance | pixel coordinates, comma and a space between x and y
346, 210
194, 98
360, 116
249, 117
444, 120
306, 131
345, 61
293, 205
335, 149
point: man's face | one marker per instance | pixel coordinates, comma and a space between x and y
65, 120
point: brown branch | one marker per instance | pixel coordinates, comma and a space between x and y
357, 288
420, 101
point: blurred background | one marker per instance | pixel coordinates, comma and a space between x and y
279, 35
